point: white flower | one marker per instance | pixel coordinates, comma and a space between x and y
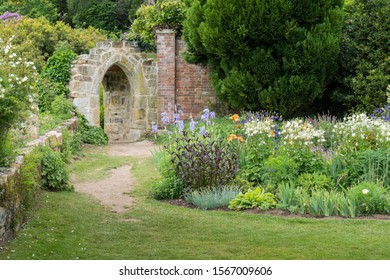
365, 191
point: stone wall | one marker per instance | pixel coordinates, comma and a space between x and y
11, 199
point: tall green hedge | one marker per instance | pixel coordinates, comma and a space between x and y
278, 55
365, 55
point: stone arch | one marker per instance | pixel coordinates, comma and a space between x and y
129, 81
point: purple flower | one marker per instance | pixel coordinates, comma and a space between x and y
180, 125
165, 118
154, 128
176, 117
202, 131
212, 115
193, 125
7, 15
205, 116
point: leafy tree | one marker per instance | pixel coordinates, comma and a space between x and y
38, 37
365, 55
113, 16
162, 14
278, 55
32, 8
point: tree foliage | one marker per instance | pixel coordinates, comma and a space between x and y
32, 8
278, 55
113, 16
163, 14
39, 37
365, 55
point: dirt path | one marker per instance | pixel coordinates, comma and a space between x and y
114, 191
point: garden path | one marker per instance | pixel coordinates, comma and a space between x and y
114, 191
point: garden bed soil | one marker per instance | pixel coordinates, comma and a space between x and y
277, 212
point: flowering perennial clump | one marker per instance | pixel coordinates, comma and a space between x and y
360, 129
260, 126
301, 132
17, 86
178, 123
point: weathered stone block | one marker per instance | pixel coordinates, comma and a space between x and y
81, 102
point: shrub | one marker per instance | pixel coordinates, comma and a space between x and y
163, 14
274, 55
55, 177
62, 107
279, 169
202, 162
212, 198
91, 134
313, 181
167, 188
17, 92
7, 150
57, 68
30, 178
71, 145
371, 198
365, 56
39, 38
256, 198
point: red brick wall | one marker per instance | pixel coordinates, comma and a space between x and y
193, 89
181, 85
166, 47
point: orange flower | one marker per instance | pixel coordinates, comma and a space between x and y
235, 118
235, 137
232, 137
238, 126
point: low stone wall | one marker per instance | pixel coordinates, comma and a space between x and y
11, 212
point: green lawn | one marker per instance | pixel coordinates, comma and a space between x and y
70, 225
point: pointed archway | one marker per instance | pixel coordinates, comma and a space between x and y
129, 82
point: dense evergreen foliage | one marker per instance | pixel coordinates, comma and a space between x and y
365, 55
278, 55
